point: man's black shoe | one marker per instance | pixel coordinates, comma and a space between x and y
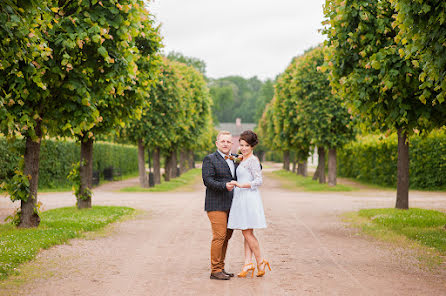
219, 276
228, 273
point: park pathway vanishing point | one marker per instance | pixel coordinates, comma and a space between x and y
165, 250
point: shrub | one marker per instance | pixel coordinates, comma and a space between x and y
57, 157
374, 160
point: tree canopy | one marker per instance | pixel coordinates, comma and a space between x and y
422, 33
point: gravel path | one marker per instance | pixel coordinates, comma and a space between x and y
165, 250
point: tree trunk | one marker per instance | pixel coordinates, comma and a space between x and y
143, 182
184, 165
321, 164
304, 168
174, 167
86, 174
332, 167
167, 166
294, 162
191, 159
29, 216
286, 160
402, 189
316, 173
157, 166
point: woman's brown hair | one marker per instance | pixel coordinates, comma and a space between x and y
249, 137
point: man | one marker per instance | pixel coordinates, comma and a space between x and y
218, 171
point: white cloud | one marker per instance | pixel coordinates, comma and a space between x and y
243, 37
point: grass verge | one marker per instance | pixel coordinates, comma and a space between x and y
101, 182
57, 226
293, 181
414, 228
187, 179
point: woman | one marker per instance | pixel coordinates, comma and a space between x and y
246, 211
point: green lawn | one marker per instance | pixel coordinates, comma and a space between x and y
57, 226
187, 179
293, 181
101, 182
426, 227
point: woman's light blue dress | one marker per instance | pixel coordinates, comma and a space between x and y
247, 207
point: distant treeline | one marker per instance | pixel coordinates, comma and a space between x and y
238, 97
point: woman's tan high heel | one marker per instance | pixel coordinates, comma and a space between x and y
244, 272
260, 272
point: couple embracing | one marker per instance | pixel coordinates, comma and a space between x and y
233, 202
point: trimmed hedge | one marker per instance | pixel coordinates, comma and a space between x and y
373, 160
57, 157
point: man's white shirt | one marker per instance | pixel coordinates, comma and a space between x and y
228, 161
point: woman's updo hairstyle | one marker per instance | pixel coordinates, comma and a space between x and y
249, 137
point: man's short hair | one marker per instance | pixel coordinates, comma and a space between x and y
223, 133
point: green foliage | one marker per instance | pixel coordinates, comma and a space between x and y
421, 225
366, 68
75, 178
22, 52
198, 64
177, 112
18, 186
58, 226
98, 49
304, 112
422, 31
265, 96
57, 158
237, 97
198, 128
71, 68
373, 160
265, 128
157, 126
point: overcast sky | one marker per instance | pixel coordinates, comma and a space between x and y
240, 37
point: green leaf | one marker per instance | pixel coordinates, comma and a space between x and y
102, 51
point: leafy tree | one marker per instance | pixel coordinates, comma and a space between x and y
198, 126
177, 116
27, 106
157, 128
198, 64
265, 127
422, 32
243, 101
283, 108
265, 96
306, 113
223, 97
324, 117
366, 69
98, 46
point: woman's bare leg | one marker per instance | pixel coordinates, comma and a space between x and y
253, 244
248, 252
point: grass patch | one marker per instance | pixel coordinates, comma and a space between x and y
419, 230
293, 181
101, 182
187, 179
427, 227
57, 226
370, 185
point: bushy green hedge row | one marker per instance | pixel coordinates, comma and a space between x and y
57, 157
374, 160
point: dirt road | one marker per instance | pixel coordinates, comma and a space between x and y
165, 250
